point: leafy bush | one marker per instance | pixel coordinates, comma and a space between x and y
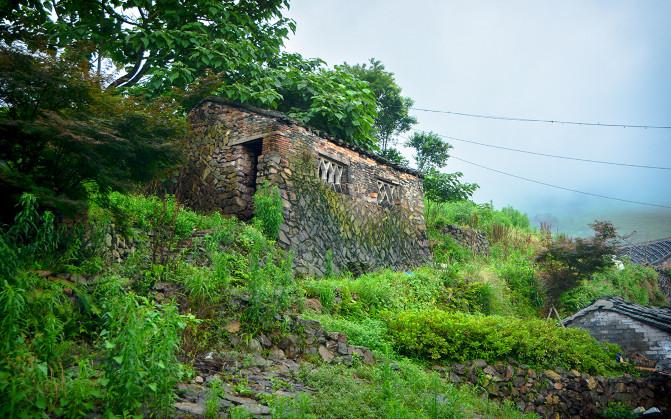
268, 210
445, 249
36, 241
368, 332
140, 341
272, 291
618, 410
519, 273
479, 216
566, 261
378, 291
635, 283
142, 212
435, 334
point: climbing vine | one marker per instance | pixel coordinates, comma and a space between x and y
366, 223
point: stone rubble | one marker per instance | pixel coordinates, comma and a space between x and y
266, 365
559, 393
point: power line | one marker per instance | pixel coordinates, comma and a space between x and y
561, 187
549, 121
555, 155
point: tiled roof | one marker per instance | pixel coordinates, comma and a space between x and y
653, 252
287, 120
659, 317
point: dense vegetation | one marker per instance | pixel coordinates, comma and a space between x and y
84, 332
110, 291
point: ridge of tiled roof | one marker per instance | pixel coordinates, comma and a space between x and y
659, 317
288, 120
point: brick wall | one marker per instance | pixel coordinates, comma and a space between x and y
632, 335
219, 171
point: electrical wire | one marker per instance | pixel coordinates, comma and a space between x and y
562, 187
549, 121
643, 166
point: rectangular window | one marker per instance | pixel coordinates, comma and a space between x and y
333, 173
387, 193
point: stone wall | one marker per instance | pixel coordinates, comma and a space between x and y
664, 281
468, 238
366, 216
632, 335
560, 393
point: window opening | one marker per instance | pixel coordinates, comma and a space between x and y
387, 193
332, 173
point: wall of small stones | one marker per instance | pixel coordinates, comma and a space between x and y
561, 393
217, 174
664, 281
118, 245
468, 238
347, 224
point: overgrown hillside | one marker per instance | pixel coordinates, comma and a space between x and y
109, 316
120, 304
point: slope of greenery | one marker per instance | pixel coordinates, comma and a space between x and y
110, 303
83, 333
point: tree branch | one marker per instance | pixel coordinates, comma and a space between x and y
139, 74
121, 17
128, 76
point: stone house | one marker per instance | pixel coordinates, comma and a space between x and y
344, 208
637, 329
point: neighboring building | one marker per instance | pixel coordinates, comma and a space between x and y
637, 329
655, 252
341, 204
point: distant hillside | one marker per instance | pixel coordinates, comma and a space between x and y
648, 224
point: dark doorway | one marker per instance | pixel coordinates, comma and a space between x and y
250, 152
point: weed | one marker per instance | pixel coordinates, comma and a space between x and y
214, 393
268, 211
140, 342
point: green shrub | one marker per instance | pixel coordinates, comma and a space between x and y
635, 283
368, 332
214, 393
567, 261
142, 211
272, 291
378, 291
446, 250
140, 341
268, 211
618, 410
452, 337
479, 216
519, 273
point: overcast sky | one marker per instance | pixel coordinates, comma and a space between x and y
607, 61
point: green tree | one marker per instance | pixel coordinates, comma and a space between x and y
443, 187
431, 153
393, 155
330, 99
59, 130
566, 261
198, 48
392, 108
159, 44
